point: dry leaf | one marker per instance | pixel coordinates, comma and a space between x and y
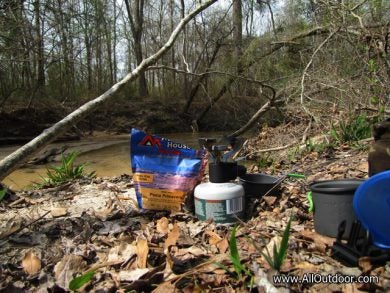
211, 265
196, 251
195, 228
223, 245
350, 288
165, 287
142, 253
65, 269
11, 227
365, 264
214, 237
269, 248
58, 212
363, 167
270, 200
321, 242
31, 263
162, 225
133, 275
306, 266
172, 237
338, 169
102, 214
121, 252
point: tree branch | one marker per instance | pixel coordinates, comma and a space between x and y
283, 147
9, 163
158, 67
275, 46
306, 69
267, 106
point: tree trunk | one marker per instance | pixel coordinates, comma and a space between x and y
114, 42
237, 34
88, 46
39, 47
272, 17
136, 25
184, 48
11, 162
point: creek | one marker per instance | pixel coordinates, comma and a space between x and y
107, 155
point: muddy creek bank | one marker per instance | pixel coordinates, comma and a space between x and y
108, 155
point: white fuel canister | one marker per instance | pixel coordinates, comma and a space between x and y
222, 202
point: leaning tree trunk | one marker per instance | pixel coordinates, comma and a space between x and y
8, 164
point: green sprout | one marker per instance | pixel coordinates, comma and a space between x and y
67, 171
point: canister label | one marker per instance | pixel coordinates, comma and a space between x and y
221, 211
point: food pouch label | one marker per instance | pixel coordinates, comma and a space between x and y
164, 172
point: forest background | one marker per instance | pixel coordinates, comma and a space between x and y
231, 64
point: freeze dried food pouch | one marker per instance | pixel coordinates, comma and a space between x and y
164, 172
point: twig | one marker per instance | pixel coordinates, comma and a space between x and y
186, 64
18, 201
255, 117
270, 149
6, 234
354, 14
262, 83
304, 137
243, 145
370, 109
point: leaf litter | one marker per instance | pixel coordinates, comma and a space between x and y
92, 232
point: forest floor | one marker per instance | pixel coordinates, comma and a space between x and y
93, 228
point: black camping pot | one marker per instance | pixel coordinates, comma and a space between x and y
257, 184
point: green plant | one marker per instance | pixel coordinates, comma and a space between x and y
352, 130
320, 147
265, 161
279, 253
234, 256
276, 260
293, 153
3, 192
80, 281
66, 171
310, 146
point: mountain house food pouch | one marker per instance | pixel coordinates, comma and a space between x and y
164, 172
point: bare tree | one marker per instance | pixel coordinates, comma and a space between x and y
271, 13
11, 162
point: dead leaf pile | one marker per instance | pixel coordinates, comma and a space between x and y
96, 227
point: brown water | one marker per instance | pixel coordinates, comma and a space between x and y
111, 156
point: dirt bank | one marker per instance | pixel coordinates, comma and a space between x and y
120, 116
